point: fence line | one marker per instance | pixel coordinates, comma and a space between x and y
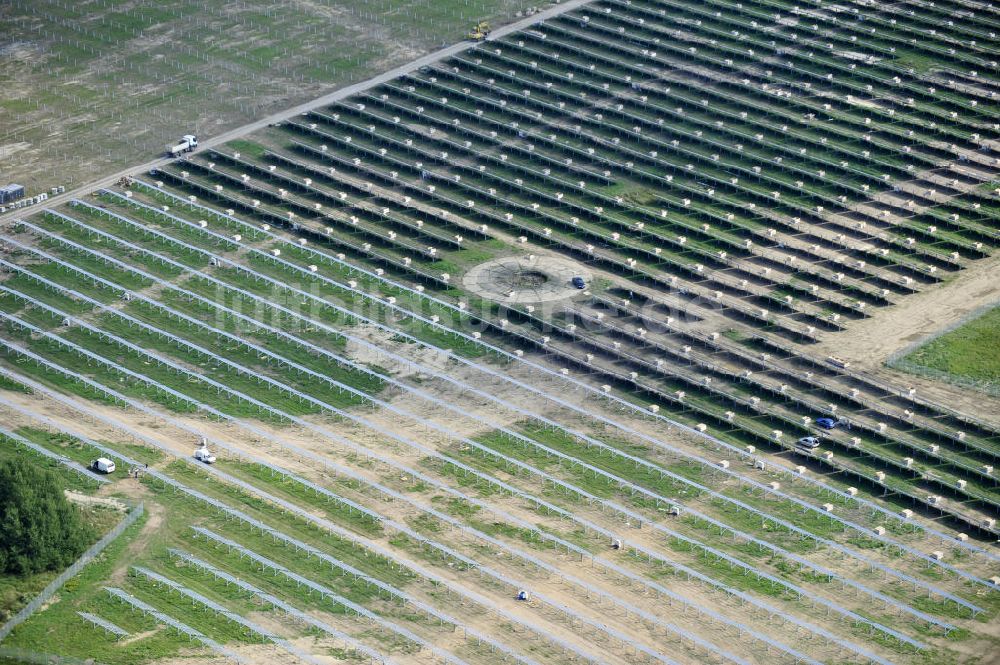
74, 568
27, 656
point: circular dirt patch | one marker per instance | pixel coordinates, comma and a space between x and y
522, 279
527, 279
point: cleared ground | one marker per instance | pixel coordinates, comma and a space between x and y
89, 87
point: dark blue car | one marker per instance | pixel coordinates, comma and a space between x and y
578, 282
826, 423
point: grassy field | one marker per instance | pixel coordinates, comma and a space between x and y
91, 86
969, 355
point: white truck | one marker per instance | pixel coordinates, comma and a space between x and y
188, 143
203, 455
102, 465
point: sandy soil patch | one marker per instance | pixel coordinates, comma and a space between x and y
88, 500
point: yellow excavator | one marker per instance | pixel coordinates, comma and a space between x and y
480, 31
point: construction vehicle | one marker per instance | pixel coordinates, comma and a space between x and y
480, 31
204, 455
188, 143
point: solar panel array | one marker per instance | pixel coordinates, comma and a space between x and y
408, 472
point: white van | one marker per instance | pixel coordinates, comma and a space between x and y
102, 465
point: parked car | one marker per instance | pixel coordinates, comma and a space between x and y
579, 282
826, 423
808, 442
